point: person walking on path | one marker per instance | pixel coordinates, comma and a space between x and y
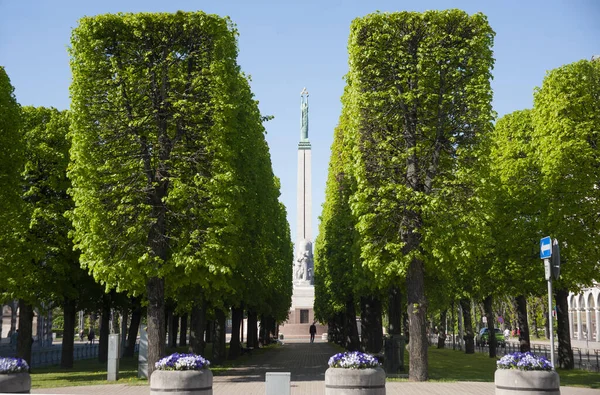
313, 331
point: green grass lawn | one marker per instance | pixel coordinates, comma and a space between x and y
450, 365
92, 372
85, 372
444, 365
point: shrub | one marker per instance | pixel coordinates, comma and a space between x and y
178, 361
13, 365
524, 361
353, 360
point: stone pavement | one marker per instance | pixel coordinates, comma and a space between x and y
307, 362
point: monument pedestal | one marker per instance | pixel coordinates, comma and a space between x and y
302, 314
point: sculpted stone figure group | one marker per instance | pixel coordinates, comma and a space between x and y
303, 266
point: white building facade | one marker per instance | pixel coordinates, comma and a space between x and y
584, 314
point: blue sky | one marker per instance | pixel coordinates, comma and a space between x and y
288, 45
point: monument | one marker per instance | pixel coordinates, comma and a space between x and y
302, 313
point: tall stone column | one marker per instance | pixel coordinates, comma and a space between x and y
301, 314
579, 322
303, 262
571, 322
598, 324
588, 324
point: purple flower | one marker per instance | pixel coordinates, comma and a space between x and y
524, 361
13, 365
353, 360
178, 361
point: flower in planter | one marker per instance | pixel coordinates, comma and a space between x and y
524, 361
182, 362
13, 365
353, 360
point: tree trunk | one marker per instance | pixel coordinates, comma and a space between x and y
115, 321
405, 326
124, 320
236, 320
13, 315
175, 329
136, 317
534, 321
68, 340
183, 330
394, 311
452, 327
372, 334
489, 315
524, 343
219, 340
104, 329
209, 328
469, 337
252, 331
155, 289
442, 330
332, 330
352, 339
417, 310
267, 325
339, 332
169, 324
263, 330
565, 352
197, 328
25, 336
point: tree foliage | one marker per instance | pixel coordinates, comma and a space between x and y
170, 168
566, 120
418, 100
11, 165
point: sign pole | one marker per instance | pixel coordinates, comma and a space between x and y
549, 249
550, 310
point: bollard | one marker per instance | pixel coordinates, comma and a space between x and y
114, 345
278, 383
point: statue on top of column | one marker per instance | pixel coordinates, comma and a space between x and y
304, 120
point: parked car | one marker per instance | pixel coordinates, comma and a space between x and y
483, 338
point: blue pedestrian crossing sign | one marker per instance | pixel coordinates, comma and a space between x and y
545, 247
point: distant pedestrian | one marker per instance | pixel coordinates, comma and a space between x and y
506, 334
313, 331
81, 335
91, 336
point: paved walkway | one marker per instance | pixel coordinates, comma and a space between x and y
307, 364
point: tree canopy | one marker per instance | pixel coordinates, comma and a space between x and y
170, 167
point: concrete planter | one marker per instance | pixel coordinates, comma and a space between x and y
526, 382
340, 381
181, 382
15, 383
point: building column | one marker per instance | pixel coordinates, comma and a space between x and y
579, 326
588, 324
571, 322
598, 324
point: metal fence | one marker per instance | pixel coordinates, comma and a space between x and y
51, 355
584, 359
